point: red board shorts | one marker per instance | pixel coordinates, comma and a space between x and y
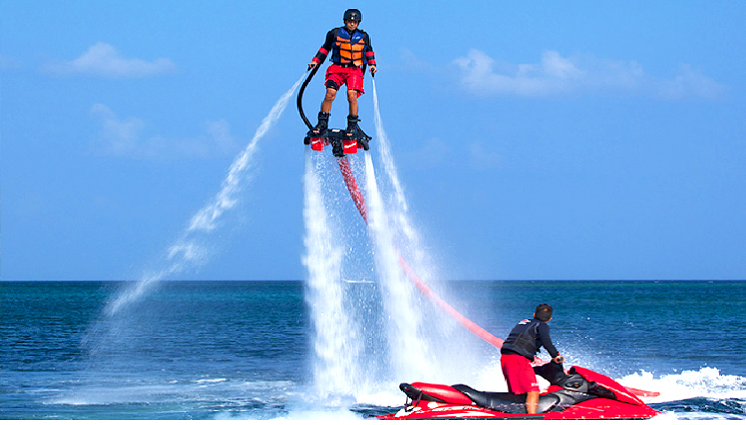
519, 374
339, 75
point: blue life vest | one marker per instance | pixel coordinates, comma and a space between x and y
349, 49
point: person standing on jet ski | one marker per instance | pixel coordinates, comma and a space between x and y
519, 350
351, 53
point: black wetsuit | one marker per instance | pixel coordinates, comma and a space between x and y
527, 338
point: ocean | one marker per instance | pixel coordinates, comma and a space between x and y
252, 350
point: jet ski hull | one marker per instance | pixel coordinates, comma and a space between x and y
583, 395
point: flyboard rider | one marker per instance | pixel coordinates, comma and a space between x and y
351, 52
518, 351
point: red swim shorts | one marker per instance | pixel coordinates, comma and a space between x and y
337, 76
519, 374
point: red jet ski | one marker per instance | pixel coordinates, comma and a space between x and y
576, 394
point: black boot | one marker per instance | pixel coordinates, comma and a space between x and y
323, 123
352, 127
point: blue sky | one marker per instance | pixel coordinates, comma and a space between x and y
534, 139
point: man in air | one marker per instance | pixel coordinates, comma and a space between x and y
518, 351
351, 53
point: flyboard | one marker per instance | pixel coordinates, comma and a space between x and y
342, 141
582, 394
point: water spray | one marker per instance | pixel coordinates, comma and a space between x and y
188, 251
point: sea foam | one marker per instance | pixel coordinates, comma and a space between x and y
707, 382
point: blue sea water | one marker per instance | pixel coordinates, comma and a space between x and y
245, 350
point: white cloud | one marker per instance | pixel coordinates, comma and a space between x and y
124, 137
482, 158
690, 83
118, 137
103, 60
482, 75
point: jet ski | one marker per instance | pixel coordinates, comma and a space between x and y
578, 393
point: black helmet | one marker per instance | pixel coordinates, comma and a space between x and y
353, 15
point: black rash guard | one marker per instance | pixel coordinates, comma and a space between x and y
527, 338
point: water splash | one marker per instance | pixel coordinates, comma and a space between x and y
405, 316
432, 327
191, 249
707, 382
399, 206
337, 347
694, 394
384, 149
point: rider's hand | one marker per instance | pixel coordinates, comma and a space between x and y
558, 359
373, 70
312, 65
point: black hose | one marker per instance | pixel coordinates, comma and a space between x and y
300, 96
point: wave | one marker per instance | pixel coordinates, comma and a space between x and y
707, 382
694, 394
